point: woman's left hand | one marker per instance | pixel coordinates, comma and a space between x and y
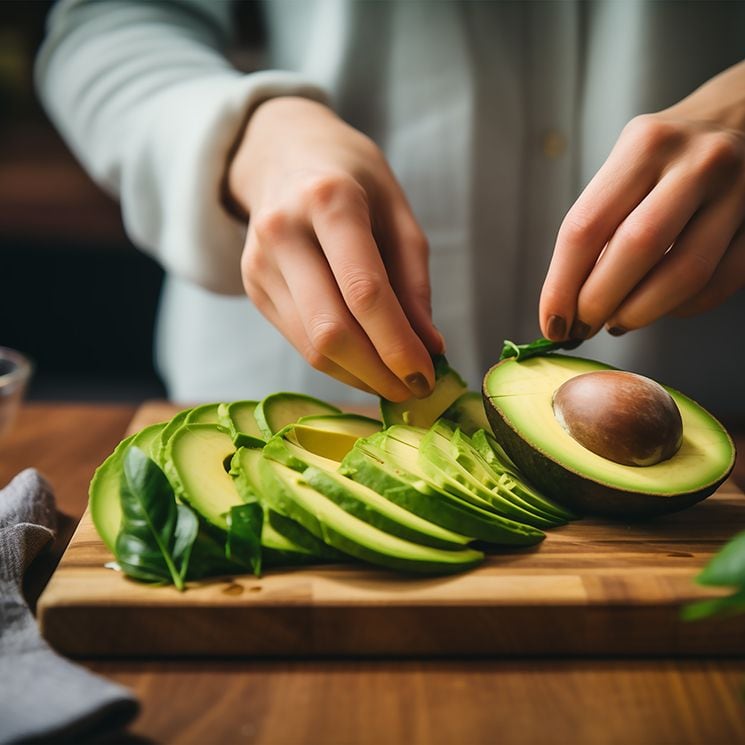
660, 229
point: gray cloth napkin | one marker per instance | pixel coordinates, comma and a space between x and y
43, 697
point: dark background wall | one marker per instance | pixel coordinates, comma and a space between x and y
75, 295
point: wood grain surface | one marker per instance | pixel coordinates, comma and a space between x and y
601, 701
592, 587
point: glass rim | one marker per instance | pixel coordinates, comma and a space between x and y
21, 371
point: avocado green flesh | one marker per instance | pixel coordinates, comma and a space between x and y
292, 496
467, 413
354, 425
238, 417
106, 510
521, 395
195, 458
203, 414
370, 466
280, 409
376, 510
422, 412
448, 474
284, 449
328, 444
159, 451
286, 540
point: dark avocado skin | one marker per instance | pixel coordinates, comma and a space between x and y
579, 493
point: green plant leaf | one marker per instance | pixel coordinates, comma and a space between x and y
726, 606
727, 567
156, 535
245, 522
536, 348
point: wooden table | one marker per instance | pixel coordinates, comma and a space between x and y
595, 701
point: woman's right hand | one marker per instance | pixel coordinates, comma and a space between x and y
334, 257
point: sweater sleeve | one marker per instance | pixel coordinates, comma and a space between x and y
145, 97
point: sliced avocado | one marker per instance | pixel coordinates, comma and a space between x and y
103, 493
361, 501
467, 413
518, 400
328, 444
195, 460
290, 495
422, 412
284, 449
440, 463
172, 425
494, 456
354, 425
284, 540
238, 418
203, 414
369, 465
280, 409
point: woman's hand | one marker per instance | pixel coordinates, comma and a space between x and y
334, 257
661, 228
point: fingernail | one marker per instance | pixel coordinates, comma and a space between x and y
557, 327
579, 330
616, 330
418, 385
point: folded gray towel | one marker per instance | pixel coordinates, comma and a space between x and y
43, 697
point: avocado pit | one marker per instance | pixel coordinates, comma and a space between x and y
621, 416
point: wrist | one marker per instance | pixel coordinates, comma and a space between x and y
274, 122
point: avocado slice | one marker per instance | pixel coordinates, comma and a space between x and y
518, 400
195, 460
283, 540
159, 449
238, 418
103, 492
284, 449
422, 412
203, 414
369, 465
445, 471
289, 493
354, 425
467, 413
365, 503
280, 409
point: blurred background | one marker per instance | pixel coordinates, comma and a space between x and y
75, 295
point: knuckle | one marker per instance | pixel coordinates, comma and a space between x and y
651, 133
363, 292
722, 151
579, 227
253, 263
325, 191
637, 235
327, 336
272, 226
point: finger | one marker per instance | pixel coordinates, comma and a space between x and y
332, 332
683, 271
341, 221
274, 294
626, 177
405, 252
728, 279
636, 247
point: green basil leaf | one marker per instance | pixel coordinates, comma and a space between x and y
726, 606
245, 522
536, 348
151, 524
727, 568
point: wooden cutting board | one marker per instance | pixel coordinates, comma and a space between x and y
592, 587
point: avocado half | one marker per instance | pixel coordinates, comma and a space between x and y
518, 402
